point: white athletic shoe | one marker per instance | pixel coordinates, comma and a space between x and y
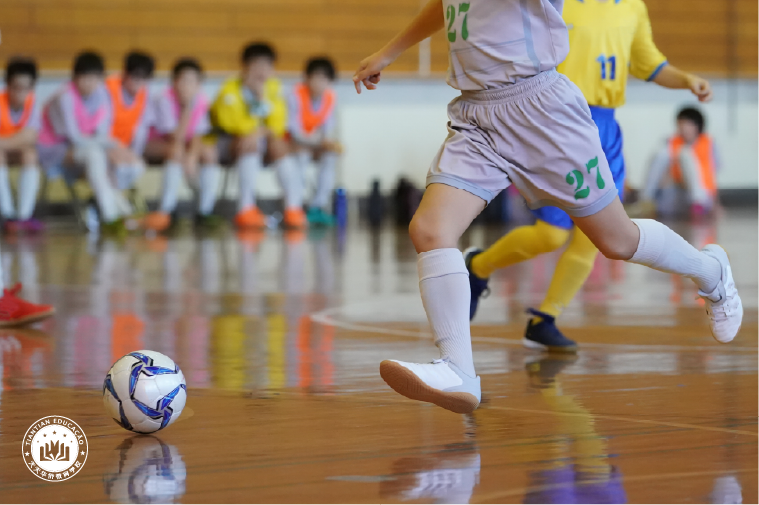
440, 382
723, 305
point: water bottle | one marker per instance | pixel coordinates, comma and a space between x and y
341, 207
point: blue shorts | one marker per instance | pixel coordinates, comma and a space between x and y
611, 142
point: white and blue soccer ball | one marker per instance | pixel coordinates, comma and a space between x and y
144, 391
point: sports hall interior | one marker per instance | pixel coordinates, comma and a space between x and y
280, 332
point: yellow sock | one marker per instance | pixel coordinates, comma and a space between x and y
519, 244
572, 271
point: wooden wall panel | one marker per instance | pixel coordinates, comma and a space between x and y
709, 36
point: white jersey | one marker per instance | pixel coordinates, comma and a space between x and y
494, 43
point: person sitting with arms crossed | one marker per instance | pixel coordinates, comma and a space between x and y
20, 120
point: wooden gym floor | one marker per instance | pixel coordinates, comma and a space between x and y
280, 337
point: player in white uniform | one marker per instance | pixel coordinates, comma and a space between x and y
518, 122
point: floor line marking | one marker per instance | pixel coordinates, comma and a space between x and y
523, 490
629, 420
324, 317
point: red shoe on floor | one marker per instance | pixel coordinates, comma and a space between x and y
17, 312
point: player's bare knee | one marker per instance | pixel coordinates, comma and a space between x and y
29, 157
427, 235
209, 154
617, 249
278, 148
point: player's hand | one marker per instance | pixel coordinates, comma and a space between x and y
700, 87
332, 146
249, 143
369, 71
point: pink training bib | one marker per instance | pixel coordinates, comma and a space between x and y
199, 108
86, 122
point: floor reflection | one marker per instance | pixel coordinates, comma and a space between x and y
579, 470
145, 470
727, 489
446, 476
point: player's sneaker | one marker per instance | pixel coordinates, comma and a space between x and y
250, 218
544, 335
440, 382
32, 225
319, 217
14, 226
114, 229
157, 221
208, 222
723, 305
294, 218
16, 312
477, 285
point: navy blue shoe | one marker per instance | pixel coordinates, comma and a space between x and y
545, 335
477, 285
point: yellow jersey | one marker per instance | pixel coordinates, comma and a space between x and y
609, 39
235, 112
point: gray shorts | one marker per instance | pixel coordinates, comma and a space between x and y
537, 134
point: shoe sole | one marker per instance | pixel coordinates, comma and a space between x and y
405, 382
27, 320
565, 349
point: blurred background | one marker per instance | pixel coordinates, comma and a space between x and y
395, 131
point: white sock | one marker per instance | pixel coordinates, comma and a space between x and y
662, 249
7, 208
325, 181
444, 283
127, 175
172, 178
247, 169
209, 178
122, 204
290, 176
95, 162
28, 185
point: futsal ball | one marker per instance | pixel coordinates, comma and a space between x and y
144, 391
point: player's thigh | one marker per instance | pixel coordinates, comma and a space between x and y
444, 213
611, 231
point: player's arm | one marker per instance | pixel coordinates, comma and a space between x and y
424, 25
649, 64
672, 77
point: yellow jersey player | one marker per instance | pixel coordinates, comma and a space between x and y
249, 118
609, 39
